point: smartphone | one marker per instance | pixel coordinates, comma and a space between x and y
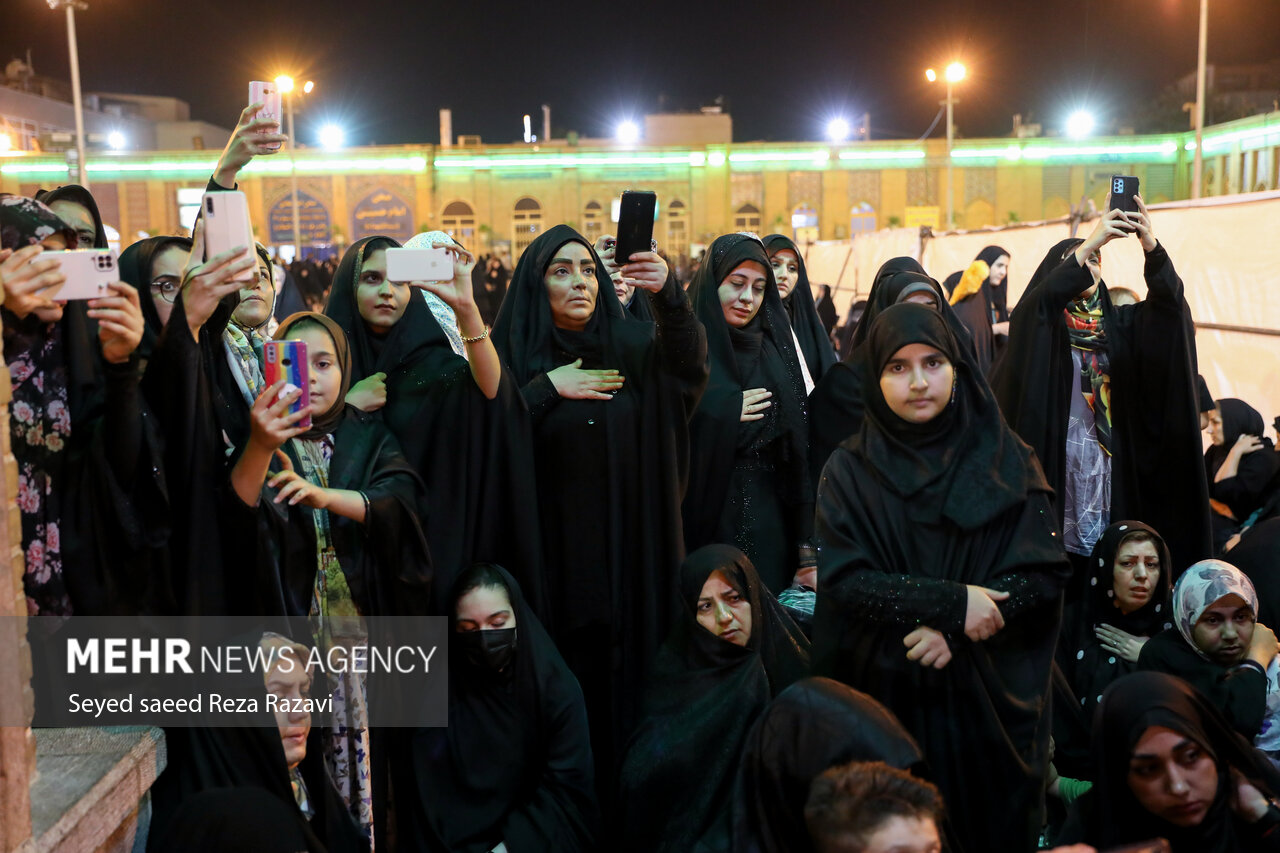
408, 265
1123, 189
226, 226
88, 272
267, 94
635, 224
1155, 845
288, 360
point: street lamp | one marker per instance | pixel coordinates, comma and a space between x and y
954, 74
1197, 166
70, 6
838, 130
285, 84
1080, 124
628, 132
332, 136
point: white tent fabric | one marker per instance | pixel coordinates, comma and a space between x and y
1226, 249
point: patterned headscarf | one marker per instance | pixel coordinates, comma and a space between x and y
1087, 334
444, 315
25, 222
1200, 586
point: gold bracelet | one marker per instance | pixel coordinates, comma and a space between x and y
477, 339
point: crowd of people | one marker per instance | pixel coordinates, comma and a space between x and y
720, 574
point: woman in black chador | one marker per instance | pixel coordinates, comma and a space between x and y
459, 421
979, 295
941, 573
1106, 396
610, 398
750, 478
797, 297
835, 406
732, 649
514, 764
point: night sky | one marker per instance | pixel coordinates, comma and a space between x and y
783, 68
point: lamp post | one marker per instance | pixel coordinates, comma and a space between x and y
285, 84
953, 74
70, 6
1197, 166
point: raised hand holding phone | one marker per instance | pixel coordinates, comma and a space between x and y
204, 283
120, 323
30, 282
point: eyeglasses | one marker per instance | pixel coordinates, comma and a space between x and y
166, 287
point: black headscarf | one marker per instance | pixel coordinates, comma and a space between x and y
1206, 399
1129, 707
979, 310
1239, 418
324, 423
135, 269
81, 196
1155, 442
1092, 666
761, 354
965, 464
677, 778
815, 343
997, 294
813, 725
474, 454
835, 406
514, 764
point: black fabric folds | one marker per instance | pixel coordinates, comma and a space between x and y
472, 453
767, 514
135, 268
705, 692
1129, 707
514, 764
1156, 467
811, 332
813, 725
1256, 475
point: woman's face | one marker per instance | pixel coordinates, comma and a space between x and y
1225, 630
1215, 427
78, 217
786, 270
326, 373
999, 270
571, 286
485, 608
742, 293
166, 279
1094, 263
916, 383
724, 611
1135, 575
927, 298
1173, 777
381, 302
288, 680
256, 299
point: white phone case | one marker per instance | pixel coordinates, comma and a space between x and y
226, 226
406, 265
88, 272
268, 94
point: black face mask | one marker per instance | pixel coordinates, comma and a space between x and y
493, 649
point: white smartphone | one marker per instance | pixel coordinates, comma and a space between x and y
226, 226
409, 265
268, 94
88, 272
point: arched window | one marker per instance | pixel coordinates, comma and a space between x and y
746, 218
458, 220
592, 220
677, 229
804, 224
862, 219
526, 223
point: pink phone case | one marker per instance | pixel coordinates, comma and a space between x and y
268, 94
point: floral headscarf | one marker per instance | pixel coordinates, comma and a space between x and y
444, 315
26, 222
1200, 586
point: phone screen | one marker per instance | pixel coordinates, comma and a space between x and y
635, 224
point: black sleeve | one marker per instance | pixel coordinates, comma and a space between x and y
215, 187
683, 341
122, 419
1246, 699
1034, 569
1164, 287
1249, 486
540, 395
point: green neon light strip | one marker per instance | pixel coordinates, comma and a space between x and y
205, 167
566, 161
780, 157
1225, 139
883, 154
1168, 148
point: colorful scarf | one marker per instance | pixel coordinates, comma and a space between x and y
1084, 326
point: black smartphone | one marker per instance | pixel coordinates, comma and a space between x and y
636, 214
1123, 189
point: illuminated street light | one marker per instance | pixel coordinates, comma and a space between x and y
931, 75
837, 130
955, 72
1080, 124
332, 136
285, 83
115, 140
306, 89
627, 132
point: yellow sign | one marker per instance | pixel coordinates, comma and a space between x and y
914, 217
